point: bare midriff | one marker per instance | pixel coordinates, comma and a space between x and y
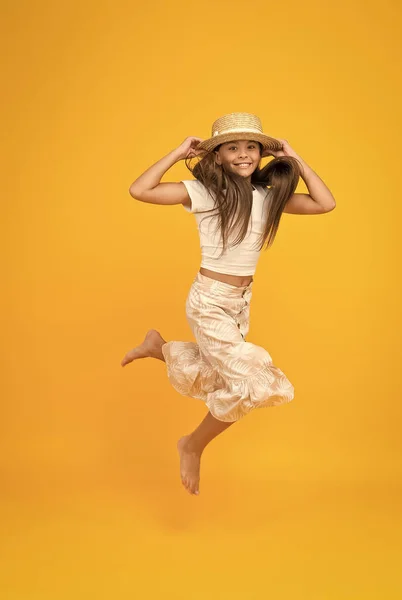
237, 280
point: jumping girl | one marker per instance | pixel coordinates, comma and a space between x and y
231, 194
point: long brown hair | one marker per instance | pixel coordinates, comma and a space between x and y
234, 207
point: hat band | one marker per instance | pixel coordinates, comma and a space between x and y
238, 130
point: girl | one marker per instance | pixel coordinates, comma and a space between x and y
230, 194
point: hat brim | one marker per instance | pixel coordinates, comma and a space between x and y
267, 142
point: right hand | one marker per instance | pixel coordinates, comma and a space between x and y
188, 148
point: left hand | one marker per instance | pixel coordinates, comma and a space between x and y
287, 150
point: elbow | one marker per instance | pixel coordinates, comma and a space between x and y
134, 193
331, 205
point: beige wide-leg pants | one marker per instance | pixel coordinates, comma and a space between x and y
230, 375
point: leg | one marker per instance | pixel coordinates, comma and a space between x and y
150, 348
191, 446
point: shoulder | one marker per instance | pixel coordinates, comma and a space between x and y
199, 197
262, 190
194, 186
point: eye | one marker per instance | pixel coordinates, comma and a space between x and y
234, 147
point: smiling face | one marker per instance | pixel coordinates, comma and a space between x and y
241, 156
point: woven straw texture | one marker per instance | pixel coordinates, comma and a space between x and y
238, 126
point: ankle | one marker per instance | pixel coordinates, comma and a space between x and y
193, 445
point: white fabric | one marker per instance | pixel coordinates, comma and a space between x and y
241, 259
232, 376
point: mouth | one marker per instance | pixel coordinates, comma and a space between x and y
243, 165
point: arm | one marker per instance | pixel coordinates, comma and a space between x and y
147, 187
319, 200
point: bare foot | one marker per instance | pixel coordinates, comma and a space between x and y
189, 466
150, 348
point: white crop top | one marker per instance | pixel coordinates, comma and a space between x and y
241, 259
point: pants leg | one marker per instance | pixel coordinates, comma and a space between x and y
230, 375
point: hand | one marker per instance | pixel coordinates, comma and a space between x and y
286, 150
188, 149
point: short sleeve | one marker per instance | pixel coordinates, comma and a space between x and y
200, 198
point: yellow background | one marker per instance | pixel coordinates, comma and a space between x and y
297, 502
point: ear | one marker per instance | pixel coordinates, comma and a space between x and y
217, 158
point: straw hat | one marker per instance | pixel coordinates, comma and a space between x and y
238, 126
